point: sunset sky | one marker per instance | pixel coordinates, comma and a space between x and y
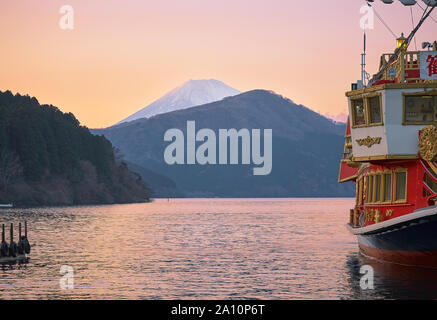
124, 54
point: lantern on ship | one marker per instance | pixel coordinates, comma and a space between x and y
401, 42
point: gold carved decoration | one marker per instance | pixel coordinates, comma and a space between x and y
353, 164
369, 215
356, 217
368, 142
372, 215
428, 143
377, 215
389, 212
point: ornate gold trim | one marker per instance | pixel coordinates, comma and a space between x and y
356, 216
387, 157
427, 144
348, 179
369, 141
352, 164
377, 215
432, 85
389, 212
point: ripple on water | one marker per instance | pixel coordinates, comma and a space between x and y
200, 249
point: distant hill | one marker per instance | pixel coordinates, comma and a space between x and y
191, 93
306, 148
48, 158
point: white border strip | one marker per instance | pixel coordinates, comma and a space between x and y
426, 212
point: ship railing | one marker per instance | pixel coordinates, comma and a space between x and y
407, 67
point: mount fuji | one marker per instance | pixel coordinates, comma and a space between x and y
191, 93
306, 148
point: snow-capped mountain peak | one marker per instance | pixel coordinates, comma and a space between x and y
191, 93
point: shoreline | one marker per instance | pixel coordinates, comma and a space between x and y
180, 199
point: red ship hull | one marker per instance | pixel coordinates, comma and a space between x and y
408, 240
397, 231
410, 258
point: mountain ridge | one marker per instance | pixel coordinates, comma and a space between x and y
190, 94
306, 148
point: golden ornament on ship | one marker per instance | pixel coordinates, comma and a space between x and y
369, 141
428, 143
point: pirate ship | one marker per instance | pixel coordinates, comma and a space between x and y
390, 152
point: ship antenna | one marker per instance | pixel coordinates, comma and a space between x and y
363, 63
403, 47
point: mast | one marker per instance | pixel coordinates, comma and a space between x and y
363, 63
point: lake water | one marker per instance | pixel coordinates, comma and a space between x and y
202, 249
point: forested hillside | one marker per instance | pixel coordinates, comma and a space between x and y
48, 158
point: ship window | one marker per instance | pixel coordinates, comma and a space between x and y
357, 192
377, 188
374, 106
426, 193
430, 183
358, 115
400, 186
367, 189
420, 109
387, 187
370, 199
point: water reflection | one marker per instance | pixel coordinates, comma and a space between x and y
15, 264
201, 249
393, 281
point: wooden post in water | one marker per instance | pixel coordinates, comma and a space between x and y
20, 240
4, 248
26, 241
12, 245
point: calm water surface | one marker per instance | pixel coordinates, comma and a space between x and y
202, 249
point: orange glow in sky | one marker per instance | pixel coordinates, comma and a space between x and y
124, 54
